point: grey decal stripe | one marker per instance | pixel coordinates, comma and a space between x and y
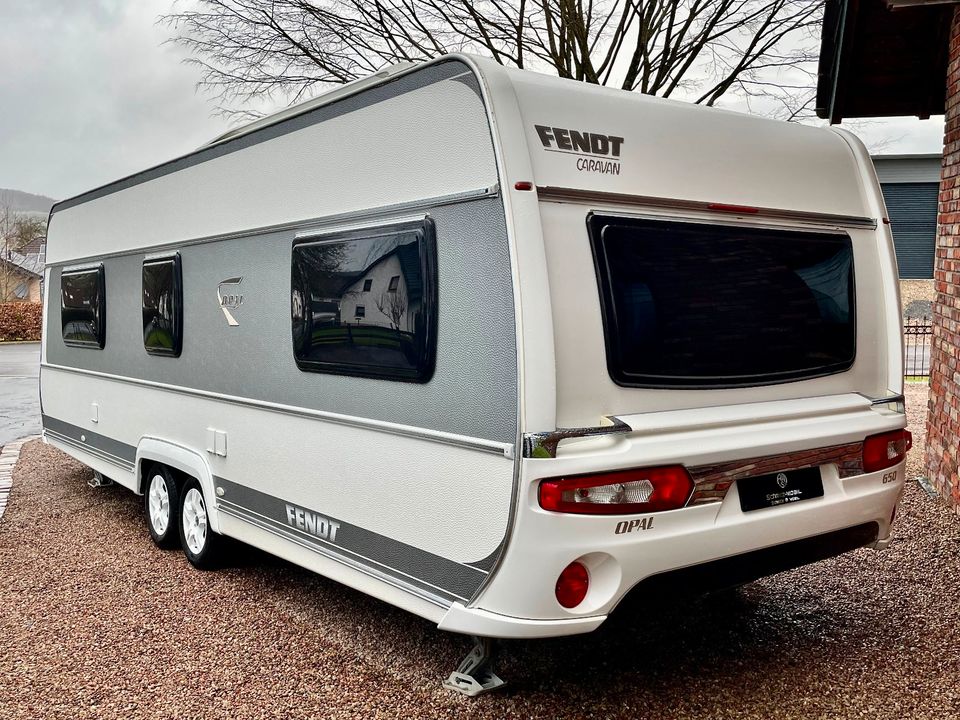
486, 564
57, 437
364, 98
91, 441
411, 585
396, 558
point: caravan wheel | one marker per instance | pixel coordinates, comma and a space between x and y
201, 545
160, 501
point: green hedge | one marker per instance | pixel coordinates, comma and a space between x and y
20, 321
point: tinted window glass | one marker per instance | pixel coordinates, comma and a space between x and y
364, 303
162, 306
82, 312
698, 305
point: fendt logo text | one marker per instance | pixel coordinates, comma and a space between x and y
595, 150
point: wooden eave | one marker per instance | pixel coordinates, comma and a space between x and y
881, 62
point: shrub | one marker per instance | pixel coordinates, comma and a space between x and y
20, 321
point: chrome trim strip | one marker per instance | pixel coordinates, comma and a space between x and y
438, 436
561, 194
312, 225
251, 518
711, 482
544, 444
885, 400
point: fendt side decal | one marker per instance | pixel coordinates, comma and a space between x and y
441, 577
311, 523
596, 152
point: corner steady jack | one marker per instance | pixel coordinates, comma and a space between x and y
475, 675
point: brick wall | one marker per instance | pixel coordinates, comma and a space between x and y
943, 418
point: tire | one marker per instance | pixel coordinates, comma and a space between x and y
161, 502
203, 547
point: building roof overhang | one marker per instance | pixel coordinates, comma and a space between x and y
883, 58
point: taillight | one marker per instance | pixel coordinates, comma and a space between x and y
572, 585
619, 493
886, 450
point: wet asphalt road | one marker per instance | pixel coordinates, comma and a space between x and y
19, 391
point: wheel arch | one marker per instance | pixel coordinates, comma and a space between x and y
183, 459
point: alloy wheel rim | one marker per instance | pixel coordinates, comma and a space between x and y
159, 504
194, 521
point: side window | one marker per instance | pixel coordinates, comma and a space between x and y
162, 306
364, 302
82, 308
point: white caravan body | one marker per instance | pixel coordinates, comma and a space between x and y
389, 420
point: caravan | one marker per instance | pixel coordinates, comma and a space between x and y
495, 347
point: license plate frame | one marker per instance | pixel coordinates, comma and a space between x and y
785, 487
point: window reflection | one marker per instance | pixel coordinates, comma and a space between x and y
362, 303
82, 313
162, 306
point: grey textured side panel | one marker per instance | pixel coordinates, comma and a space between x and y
473, 391
431, 573
102, 446
365, 98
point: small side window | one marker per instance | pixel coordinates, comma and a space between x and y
162, 306
82, 308
364, 302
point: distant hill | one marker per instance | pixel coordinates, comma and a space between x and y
26, 203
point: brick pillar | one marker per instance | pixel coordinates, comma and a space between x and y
943, 418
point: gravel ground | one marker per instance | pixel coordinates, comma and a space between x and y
920, 293
96, 622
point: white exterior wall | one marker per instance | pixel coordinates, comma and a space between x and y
683, 151
381, 155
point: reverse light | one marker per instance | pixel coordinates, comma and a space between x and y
572, 585
619, 493
886, 450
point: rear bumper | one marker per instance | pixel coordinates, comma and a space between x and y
705, 577
744, 568
714, 546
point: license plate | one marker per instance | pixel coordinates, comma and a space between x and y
780, 488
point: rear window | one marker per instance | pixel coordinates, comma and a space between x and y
696, 305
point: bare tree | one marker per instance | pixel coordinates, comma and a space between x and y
700, 49
393, 305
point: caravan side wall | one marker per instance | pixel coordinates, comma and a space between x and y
418, 476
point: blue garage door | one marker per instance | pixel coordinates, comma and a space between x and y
913, 216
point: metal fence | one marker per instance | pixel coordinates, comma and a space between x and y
916, 347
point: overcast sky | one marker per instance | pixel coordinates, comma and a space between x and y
89, 93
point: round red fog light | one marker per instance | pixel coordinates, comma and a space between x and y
572, 585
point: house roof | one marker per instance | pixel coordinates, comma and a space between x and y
883, 61
35, 246
31, 264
